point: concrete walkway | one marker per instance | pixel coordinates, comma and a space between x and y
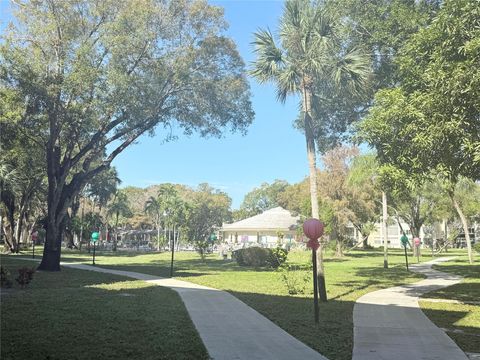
229, 328
389, 324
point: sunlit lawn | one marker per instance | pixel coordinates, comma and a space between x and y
77, 314
462, 321
348, 278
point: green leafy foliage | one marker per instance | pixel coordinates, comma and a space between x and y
294, 278
258, 257
252, 256
5, 282
94, 77
25, 276
260, 199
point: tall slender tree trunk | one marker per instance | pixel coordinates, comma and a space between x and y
385, 230
464, 224
311, 155
158, 236
115, 239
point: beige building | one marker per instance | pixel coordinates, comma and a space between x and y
267, 229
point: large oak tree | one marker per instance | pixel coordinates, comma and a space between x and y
93, 76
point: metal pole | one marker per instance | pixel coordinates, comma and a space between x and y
173, 251
406, 257
315, 285
385, 230
33, 249
93, 263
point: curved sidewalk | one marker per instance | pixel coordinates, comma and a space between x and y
228, 328
389, 324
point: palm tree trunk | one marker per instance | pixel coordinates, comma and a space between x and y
310, 140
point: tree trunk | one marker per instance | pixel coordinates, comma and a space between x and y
465, 226
57, 208
339, 248
115, 238
52, 248
385, 230
365, 241
310, 140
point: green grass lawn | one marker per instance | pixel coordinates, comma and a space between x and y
75, 314
348, 278
462, 321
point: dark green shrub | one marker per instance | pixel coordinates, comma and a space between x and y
476, 246
252, 256
5, 282
25, 275
277, 257
257, 257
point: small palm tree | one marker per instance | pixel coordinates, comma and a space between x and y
153, 208
119, 207
312, 62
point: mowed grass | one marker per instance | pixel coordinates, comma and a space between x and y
75, 314
348, 278
462, 321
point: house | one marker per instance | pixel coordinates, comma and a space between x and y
267, 229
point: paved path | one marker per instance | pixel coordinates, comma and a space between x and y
229, 328
389, 324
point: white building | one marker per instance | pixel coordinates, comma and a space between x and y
267, 229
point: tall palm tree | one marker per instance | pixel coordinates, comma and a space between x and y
311, 61
153, 208
119, 207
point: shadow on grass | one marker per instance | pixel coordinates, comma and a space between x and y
460, 267
333, 336
61, 321
393, 273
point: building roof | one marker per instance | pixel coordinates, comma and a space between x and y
274, 219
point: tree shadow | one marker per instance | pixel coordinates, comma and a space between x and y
393, 273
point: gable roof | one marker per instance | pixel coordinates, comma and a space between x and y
274, 219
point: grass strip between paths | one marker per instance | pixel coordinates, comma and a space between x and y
461, 321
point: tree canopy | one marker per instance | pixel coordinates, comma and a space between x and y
429, 123
86, 79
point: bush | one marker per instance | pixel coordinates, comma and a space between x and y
476, 246
257, 257
253, 256
25, 275
294, 279
277, 257
5, 282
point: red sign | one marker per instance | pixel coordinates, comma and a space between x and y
416, 241
35, 236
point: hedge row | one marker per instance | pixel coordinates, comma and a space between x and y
257, 257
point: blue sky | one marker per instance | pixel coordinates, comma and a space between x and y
272, 148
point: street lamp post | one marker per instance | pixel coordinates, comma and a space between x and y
404, 240
95, 236
313, 229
